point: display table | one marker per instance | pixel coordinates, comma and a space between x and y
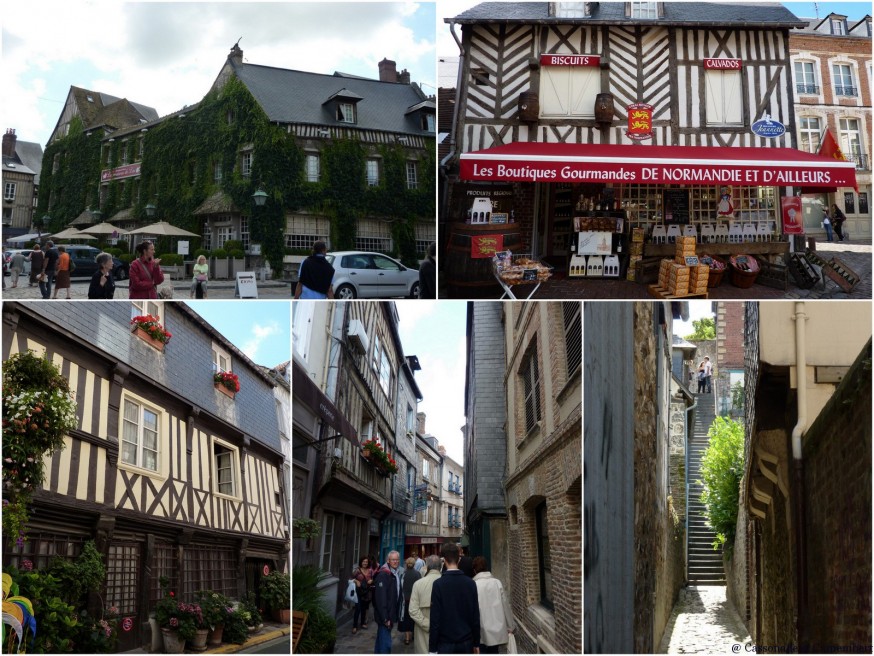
722, 248
508, 289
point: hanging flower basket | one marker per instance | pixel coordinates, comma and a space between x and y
150, 330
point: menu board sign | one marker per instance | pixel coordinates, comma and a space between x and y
675, 203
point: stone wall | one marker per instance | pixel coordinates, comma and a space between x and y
739, 566
837, 498
777, 582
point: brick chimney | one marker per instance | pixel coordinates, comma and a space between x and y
388, 71
404, 77
9, 140
420, 423
441, 451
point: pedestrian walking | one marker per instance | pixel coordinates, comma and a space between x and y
16, 265
145, 272
408, 577
64, 270
428, 273
708, 375
387, 602
316, 275
838, 219
420, 604
102, 283
363, 577
49, 264
419, 562
455, 621
495, 613
827, 224
36, 259
702, 379
465, 564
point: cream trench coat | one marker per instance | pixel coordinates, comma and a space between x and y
495, 613
420, 610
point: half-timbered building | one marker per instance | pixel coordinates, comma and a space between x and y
170, 476
351, 384
575, 118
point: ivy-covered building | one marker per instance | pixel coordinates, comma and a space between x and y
339, 157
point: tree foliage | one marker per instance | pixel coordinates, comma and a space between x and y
705, 328
721, 470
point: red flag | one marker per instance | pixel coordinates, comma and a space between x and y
829, 147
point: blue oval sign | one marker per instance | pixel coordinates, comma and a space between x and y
768, 128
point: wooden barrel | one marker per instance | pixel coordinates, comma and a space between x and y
529, 106
604, 108
463, 271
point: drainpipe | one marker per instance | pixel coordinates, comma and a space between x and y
800, 318
444, 163
686, 455
335, 348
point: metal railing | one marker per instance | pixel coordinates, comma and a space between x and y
846, 91
812, 89
861, 160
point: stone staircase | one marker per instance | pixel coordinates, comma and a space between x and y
704, 564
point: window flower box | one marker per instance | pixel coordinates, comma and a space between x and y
227, 383
149, 329
373, 453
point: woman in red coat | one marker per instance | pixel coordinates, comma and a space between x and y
145, 272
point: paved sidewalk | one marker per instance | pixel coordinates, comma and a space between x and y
364, 641
703, 621
218, 289
270, 631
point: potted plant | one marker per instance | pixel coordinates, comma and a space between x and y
178, 621
306, 528
215, 608
227, 383
150, 330
250, 613
276, 594
373, 452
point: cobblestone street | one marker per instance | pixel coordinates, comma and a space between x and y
703, 622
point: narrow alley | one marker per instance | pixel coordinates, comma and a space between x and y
704, 621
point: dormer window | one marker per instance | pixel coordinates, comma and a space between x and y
346, 112
644, 10
428, 122
839, 26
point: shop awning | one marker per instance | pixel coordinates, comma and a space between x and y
309, 393
647, 164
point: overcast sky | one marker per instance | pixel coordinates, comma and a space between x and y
167, 55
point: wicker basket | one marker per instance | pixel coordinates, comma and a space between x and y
716, 275
741, 278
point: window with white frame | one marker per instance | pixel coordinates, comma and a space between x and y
385, 375
569, 91
9, 191
839, 26
842, 74
327, 542
805, 78
221, 359
217, 172
244, 232
372, 166
723, 96
426, 470
428, 122
313, 167
139, 435
412, 177
223, 234
246, 164
226, 464
301, 327
207, 237
377, 350
346, 112
142, 308
124, 149
851, 139
809, 131
573, 337
411, 420
645, 10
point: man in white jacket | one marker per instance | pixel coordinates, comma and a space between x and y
495, 614
420, 604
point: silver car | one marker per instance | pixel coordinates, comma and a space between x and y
359, 274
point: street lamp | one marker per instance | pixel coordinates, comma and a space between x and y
96, 214
260, 197
150, 211
42, 224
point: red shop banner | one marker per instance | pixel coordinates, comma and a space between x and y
482, 246
792, 220
570, 60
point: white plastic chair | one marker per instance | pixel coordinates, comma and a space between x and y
673, 233
722, 233
708, 234
659, 236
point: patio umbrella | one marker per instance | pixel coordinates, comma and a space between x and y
71, 233
29, 237
104, 229
163, 229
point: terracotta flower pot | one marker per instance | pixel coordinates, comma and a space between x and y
198, 643
173, 644
147, 338
366, 453
224, 390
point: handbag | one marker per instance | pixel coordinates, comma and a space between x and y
351, 595
165, 291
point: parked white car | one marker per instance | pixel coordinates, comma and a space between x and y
359, 274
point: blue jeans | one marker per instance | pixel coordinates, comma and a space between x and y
383, 640
828, 232
45, 288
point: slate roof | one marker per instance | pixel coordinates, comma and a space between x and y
768, 15
289, 96
30, 154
